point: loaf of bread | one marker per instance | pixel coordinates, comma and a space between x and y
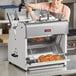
49, 57
38, 39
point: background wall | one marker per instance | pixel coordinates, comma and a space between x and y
17, 2
74, 15
5, 2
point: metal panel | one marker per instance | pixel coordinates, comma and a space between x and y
47, 29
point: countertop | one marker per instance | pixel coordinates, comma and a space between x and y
7, 69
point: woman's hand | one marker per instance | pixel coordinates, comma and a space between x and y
29, 9
33, 16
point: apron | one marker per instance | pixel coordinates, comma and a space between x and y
58, 16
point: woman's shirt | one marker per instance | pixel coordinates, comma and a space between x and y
65, 11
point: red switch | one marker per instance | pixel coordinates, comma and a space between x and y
47, 30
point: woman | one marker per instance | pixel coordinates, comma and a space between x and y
56, 7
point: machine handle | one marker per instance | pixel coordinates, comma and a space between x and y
28, 61
14, 55
21, 5
16, 16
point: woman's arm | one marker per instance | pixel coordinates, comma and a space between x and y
67, 13
29, 8
39, 6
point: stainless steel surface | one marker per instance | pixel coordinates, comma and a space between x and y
46, 29
43, 67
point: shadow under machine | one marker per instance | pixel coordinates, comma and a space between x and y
25, 52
